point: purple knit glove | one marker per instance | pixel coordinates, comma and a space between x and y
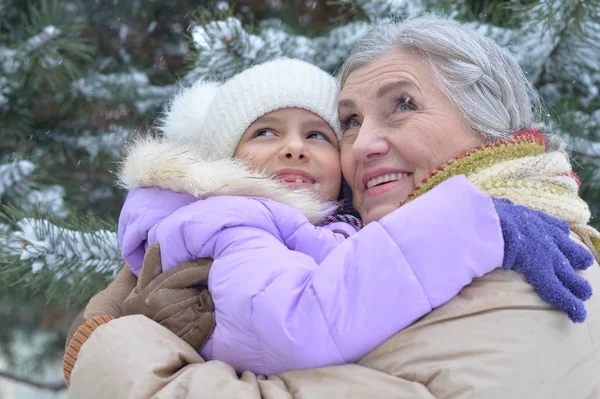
538, 246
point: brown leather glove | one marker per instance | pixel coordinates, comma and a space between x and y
174, 298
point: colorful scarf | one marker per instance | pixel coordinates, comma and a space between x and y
344, 213
520, 169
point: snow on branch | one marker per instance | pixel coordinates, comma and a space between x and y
62, 251
570, 35
14, 174
335, 47
133, 85
225, 48
11, 59
8, 65
49, 199
40, 53
153, 96
585, 141
48, 34
110, 142
17, 185
378, 10
98, 86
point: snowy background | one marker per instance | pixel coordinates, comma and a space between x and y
80, 78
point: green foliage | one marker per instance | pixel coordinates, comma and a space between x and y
61, 49
41, 51
60, 259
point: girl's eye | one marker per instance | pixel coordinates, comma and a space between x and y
265, 133
316, 135
405, 104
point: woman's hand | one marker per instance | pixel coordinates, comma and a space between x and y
174, 298
538, 246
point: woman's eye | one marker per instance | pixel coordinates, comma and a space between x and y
354, 123
405, 104
316, 135
265, 132
350, 122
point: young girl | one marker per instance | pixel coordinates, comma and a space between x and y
262, 153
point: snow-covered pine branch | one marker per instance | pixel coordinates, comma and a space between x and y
9, 63
570, 37
380, 10
585, 141
48, 200
111, 142
14, 177
17, 187
11, 60
331, 50
225, 48
133, 86
48, 34
65, 254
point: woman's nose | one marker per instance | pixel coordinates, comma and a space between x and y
370, 144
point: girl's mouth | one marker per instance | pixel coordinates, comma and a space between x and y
298, 179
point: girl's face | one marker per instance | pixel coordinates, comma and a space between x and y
295, 146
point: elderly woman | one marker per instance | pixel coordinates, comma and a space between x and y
420, 102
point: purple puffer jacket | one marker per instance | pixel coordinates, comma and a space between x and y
289, 295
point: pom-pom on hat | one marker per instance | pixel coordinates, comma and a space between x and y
214, 117
186, 112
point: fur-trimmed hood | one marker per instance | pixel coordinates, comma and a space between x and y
173, 165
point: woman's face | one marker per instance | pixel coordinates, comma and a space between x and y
398, 127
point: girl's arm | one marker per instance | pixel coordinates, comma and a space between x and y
143, 209
146, 207
278, 309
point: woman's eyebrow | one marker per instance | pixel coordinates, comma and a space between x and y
399, 84
382, 91
346, 103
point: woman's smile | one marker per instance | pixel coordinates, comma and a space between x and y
385, 182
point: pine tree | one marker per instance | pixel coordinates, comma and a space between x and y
79, 78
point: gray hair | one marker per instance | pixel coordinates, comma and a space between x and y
481, 78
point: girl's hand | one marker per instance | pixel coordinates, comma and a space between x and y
175, 299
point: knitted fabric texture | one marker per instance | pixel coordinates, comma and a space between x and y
273, 85
212, 117
344, 213
518, 168
345, 218
81, 335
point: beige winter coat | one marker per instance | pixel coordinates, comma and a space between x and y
496, 339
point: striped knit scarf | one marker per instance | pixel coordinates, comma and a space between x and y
519, 168
344, 213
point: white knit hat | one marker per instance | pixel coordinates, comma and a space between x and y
214, 118
186, 112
